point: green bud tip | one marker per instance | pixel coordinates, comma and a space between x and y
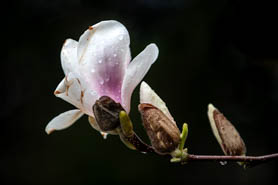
126, 124
183, 136
175, 160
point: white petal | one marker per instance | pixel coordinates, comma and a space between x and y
69, 56
136, 71
211, 109
63, 120
89, 99
76, 86
103, 54
147, 95
69, 90
61, 88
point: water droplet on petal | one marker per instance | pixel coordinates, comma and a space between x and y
93, 93
100, 61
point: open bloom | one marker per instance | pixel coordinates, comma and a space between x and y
99, 65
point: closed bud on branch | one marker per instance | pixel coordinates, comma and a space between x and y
162, 132
225, 133
106, 112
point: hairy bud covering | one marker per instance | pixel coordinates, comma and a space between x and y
106, 112
163, 133
225, 133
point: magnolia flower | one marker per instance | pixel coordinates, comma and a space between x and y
99, 65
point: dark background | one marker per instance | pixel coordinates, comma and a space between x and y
219, 51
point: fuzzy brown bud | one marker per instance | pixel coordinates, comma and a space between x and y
106, 112
225, 133
162, 132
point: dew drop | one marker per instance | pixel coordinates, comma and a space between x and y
223, 163
93, 93
101, 82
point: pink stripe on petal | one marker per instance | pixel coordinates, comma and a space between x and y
104, 54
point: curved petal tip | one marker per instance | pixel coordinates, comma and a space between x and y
136, 71
147, 95
63, 120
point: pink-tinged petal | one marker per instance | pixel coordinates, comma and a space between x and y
69, 56
103, 54
147, 95
63, 120
136, 71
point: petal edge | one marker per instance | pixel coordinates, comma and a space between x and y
63, 120
148, 95
136, 71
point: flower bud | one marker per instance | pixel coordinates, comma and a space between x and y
106, 112
225, 133
162, 132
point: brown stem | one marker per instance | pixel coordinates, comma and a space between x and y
249, 161
140, 145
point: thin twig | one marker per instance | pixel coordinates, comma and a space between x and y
249, 161
128, 135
